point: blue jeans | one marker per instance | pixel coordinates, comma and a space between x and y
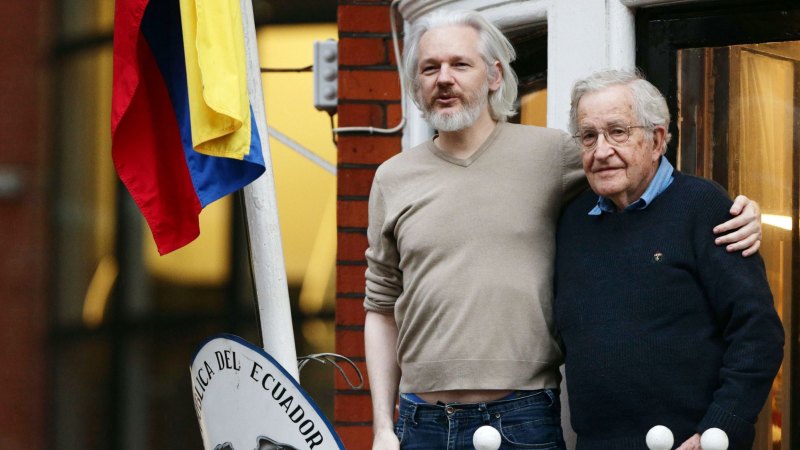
532, 420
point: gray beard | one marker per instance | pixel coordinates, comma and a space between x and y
453, 121
458, 120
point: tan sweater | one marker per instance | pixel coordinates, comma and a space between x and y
462, 252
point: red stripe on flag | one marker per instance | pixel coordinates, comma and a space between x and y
146, 144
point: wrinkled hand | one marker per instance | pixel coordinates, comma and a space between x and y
386, 440
693, 443
747, 223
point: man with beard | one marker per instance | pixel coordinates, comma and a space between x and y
461, 249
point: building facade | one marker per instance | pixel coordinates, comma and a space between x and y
82, 376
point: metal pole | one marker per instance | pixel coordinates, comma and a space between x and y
261, 211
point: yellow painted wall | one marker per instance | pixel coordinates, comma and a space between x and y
306, 193
304, 189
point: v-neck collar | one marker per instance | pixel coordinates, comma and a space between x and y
474, 157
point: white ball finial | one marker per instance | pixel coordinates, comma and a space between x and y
659, 438
486, 438
714, 439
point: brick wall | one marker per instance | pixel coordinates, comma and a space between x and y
369, 95
23, 133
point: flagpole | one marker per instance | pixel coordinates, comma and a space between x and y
261, 211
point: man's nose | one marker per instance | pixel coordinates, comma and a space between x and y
444, 77
603, 149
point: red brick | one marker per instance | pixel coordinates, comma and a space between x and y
341, 384
393, 114
367, 149
364, 18
362, 51
355, 437
352, 213
352, 408
350, 278
369, 85
360, 115
350, 311
351, 246
360, 85
354, 181
350, 343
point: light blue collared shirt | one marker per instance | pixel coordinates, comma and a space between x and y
659, 184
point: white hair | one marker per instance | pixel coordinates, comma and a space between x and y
493, 46
649, 105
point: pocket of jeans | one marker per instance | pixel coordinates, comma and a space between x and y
400, 428
539, 433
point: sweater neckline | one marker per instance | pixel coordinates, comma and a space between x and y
474, 157
677, 178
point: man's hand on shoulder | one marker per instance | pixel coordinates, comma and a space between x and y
746, 222
385, 439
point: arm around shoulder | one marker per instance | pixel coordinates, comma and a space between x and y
743, 230
742, 304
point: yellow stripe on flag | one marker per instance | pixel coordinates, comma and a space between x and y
216, 75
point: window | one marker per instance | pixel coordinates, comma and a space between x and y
531, 68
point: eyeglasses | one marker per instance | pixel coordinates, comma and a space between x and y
616, 134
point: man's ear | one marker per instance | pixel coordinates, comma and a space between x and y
497, 70
659, 139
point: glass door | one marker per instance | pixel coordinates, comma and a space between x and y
737, 120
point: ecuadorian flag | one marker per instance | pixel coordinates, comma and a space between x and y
181, 115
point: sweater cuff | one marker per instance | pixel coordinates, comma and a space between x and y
373, 306
740, 431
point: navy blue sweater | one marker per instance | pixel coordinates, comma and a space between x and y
659, 325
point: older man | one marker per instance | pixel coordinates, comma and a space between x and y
659, 325
461, 249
